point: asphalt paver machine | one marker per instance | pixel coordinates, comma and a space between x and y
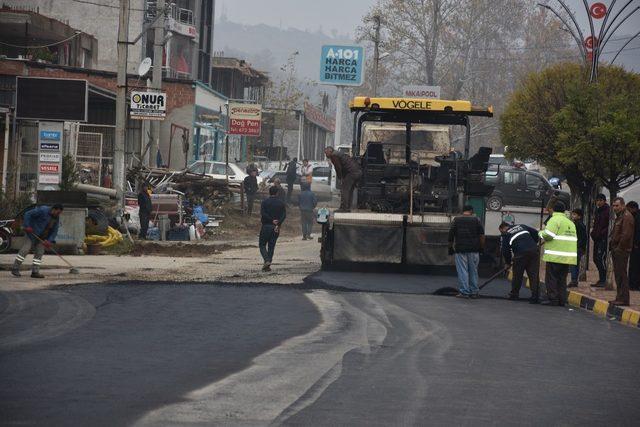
413, 183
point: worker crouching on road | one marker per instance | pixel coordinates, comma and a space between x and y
522, 241
348, 171
41, 226
560, 252
273, 212
466, 241
620, 245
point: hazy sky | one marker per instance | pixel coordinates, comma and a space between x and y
342, 15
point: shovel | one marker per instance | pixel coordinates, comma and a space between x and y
495, 276
72, 269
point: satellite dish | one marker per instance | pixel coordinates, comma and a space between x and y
144, 66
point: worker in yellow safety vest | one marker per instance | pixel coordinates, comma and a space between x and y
560, 252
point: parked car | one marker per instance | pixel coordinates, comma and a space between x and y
519, 187
219, 170
319, 185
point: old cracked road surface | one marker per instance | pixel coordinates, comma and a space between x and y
323, 353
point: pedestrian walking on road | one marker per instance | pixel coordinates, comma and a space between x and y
307, 203
41, 227
581, 232
522, 241
466, 241
348, 171
250, 186
273, 213
634, 260
560, 252
144, 209
292, 177
306, 172
281, 194
620, 245
599, 235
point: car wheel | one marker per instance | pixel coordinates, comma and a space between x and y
494, 203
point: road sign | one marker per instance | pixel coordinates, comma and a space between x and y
598, 10
245, 119
421, 91
148, 105
342, 65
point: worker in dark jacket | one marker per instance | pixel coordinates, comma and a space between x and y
466, 241
634, 260
273, 213
521, 241
41, 227
599, 235
621, 244
581, 234
307, 202
145, 208
292, 176
348, 171
281, 194
250, 187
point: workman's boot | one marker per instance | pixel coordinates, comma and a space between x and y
15, 269
35, 273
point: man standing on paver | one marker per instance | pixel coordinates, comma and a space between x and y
620, 246
144, 209
292, 176
307, 202
250, 187
466, 241
634, 260
522, 240
560, 252
599, 234
273, 213
348, 171
41, 226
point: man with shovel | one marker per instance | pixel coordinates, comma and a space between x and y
521, 241
41, 227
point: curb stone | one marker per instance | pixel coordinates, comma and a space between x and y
602, 308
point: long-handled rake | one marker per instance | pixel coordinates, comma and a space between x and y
72, 269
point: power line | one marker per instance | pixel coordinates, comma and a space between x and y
44, 45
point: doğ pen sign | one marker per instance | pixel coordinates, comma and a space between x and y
245, 119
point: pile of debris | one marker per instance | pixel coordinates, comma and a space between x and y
196, 188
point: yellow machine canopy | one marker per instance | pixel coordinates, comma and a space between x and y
363, 103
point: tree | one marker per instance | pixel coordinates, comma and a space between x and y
590, 133
473, 49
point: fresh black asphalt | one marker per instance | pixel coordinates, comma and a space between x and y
443, 360
146, 346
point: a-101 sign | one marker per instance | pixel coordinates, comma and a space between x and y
342, 65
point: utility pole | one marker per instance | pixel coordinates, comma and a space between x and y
121, 103
376, 53
156, 82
